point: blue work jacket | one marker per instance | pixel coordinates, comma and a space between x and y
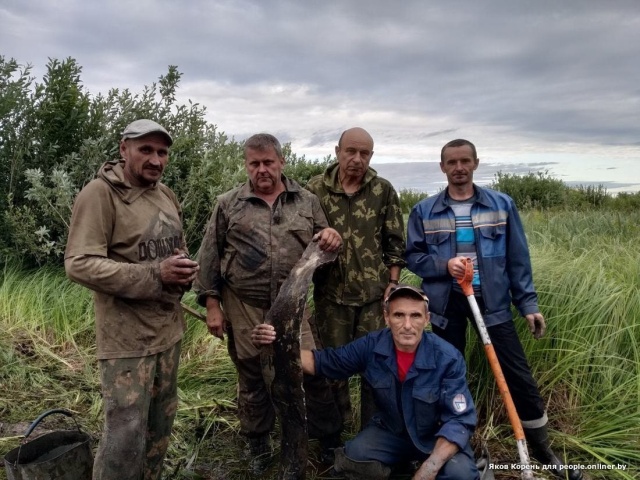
503, 255
434, 399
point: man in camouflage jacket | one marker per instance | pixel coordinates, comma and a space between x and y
365, 210
256, 234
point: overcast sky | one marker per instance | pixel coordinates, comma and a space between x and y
527, 81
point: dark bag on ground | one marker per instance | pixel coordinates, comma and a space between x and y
59, 455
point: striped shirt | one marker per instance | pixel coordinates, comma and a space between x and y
465, 239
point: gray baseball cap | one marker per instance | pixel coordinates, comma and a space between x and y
143, 127
408, 290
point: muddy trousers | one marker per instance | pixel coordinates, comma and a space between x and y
522, 386
338, 325
256, 412
140, 399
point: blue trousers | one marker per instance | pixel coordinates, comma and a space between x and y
377, 443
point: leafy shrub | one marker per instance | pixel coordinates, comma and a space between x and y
626, 202
533, 190
302, 169
589, 196
410, 197
54, 136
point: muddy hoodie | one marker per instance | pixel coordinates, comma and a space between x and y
118, 236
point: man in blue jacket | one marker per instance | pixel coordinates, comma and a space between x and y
424, 409
466, 221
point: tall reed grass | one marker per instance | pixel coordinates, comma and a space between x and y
588, 279
587, 275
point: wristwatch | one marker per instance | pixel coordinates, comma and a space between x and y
395, 282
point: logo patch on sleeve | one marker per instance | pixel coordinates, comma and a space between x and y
459, 403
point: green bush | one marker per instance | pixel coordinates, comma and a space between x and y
626, 202
302, 169
539, 190
533, 190
54, 136
409, 197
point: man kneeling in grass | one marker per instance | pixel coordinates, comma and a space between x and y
424, 408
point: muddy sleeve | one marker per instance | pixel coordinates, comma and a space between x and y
209, 281
92, 222
319, 218
125, 280
87, 252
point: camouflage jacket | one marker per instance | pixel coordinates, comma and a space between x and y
372, 229
251, 247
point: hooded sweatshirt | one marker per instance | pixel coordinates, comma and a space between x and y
118, 236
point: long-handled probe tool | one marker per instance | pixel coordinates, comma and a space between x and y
467, 289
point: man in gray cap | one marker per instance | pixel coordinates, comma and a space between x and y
425, 412
126, 244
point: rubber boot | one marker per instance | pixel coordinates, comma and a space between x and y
260, 454
328, 445
483, 464
538, 442
359, 470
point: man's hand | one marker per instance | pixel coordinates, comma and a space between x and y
457, 267
427, 471
537, 326
442, 452
394, 277
328, 239
216, 322
387, 290
178, 269
263, 334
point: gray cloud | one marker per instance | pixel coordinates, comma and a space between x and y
516, 76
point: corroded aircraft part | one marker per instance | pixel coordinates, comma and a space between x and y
286, 388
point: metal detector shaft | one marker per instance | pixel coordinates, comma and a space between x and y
490, 352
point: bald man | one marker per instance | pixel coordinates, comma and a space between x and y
364, 208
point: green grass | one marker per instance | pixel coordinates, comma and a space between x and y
587, 274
